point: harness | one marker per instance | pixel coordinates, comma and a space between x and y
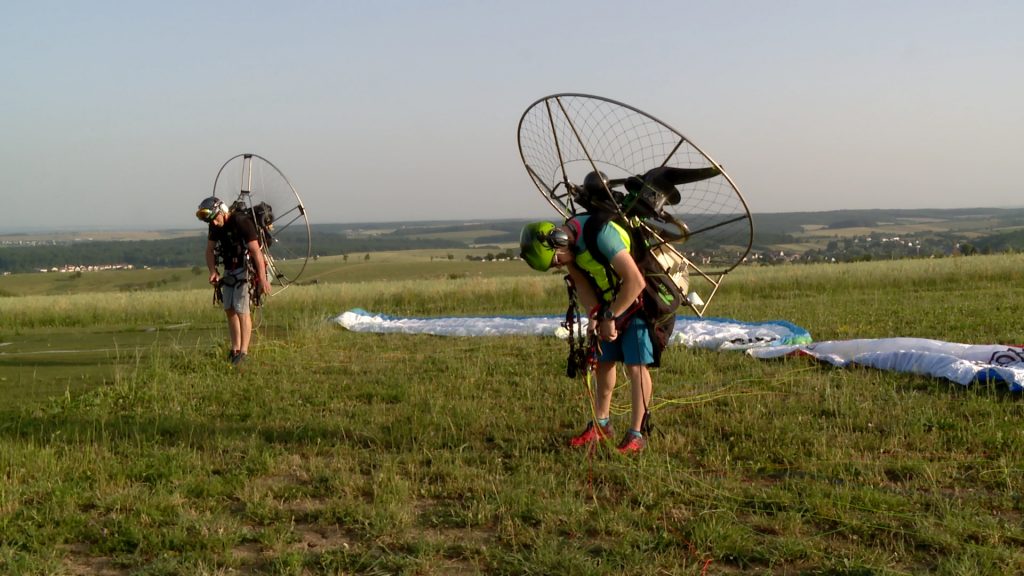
660, 298
582, 350
597, 268
232, 247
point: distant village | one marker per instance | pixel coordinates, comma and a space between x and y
66, 268
97, 268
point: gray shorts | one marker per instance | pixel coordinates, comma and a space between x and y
234, 290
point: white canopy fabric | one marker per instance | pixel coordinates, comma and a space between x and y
709, 333
960, 363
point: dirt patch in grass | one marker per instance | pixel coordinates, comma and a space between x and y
78, 562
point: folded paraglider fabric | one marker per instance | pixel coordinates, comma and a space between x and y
959, 363
708, 333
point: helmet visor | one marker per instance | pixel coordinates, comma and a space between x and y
207, 214
209, 208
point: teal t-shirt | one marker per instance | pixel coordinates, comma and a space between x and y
609, 240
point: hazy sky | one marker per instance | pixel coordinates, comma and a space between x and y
119, 114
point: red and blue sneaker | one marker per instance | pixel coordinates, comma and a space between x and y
592, 434
632, 443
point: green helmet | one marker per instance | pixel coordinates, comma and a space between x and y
534, 246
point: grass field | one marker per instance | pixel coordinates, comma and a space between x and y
130, 447
968, 227
77, 236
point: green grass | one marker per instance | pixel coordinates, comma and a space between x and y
404, 264
344, 453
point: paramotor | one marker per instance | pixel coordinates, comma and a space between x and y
589, 153
263, 191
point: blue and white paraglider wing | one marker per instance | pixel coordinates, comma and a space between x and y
960, 363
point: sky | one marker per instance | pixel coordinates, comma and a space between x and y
119, 114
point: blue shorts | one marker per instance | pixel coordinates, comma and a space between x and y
633, 346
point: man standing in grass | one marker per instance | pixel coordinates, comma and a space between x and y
611, 293
233, 240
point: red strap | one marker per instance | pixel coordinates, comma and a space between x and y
576, 225
622, 319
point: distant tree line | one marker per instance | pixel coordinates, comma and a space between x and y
185, 252
331, 244
771, 230
765, 240
177, 252
996, 243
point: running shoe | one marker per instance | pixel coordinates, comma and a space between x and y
592, 434
632, 443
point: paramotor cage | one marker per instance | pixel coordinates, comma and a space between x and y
266, 195
587, 153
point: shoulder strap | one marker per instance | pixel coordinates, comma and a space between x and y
577, 229
591, 229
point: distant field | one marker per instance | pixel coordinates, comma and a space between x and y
475, 236
55, 283
97, 235
437, 256
795, 248
894, 229
968, 227
401, 269
404, 264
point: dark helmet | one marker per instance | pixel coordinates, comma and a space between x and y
209, 208
596, 183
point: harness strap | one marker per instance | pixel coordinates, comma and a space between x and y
255, 293
622, 320
235, 280
589, 232
582, 354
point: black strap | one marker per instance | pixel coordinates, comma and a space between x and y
580, 353
591, 229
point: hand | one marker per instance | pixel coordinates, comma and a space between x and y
607, 331
594, 322
214, 278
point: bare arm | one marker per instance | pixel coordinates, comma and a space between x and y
632, 282
261, 268
211, 261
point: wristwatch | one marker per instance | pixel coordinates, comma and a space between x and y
607, 314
